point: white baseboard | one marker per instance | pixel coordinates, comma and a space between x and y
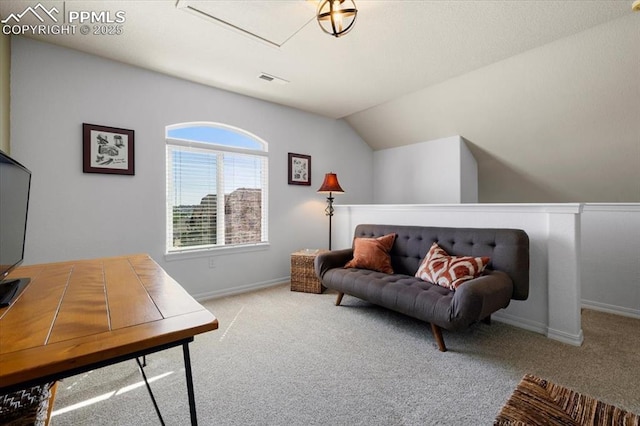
611, 309
564, 337
537, 327
240, 289
523, 323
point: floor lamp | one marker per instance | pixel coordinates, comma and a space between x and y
330, 186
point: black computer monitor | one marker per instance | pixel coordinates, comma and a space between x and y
15, 185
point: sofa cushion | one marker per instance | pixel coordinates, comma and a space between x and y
449, 271
373, 254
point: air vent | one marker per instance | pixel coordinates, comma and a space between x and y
272, 78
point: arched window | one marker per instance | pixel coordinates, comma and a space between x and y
217, 183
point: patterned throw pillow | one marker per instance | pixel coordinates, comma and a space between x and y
373, 253
449, 271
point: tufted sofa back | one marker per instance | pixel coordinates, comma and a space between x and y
507, 248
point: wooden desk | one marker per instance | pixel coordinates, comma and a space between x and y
81, 315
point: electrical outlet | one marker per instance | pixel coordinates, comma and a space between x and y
212, 262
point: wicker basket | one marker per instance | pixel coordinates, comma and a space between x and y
303, 274
28, 407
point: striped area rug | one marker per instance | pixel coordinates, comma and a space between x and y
539, 402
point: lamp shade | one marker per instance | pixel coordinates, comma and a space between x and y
330, 184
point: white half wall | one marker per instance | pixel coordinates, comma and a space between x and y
553, 306
610, 267
440, 171
77, 216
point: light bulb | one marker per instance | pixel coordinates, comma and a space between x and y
337, 15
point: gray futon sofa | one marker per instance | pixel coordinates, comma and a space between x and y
506, 276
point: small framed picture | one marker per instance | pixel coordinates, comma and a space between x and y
299, 169
107, 150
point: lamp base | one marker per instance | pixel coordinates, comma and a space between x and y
329, 212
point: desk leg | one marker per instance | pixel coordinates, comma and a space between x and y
146, 382
187, 370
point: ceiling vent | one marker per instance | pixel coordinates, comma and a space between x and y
272, 78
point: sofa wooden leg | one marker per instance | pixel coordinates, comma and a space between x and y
339, 299
487, 320
437, 333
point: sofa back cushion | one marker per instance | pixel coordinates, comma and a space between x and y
508, 249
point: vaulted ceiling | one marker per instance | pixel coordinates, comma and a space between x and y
545, 91
395, 48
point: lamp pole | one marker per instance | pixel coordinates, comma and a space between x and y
329, 212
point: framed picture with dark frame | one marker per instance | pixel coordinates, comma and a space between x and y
299, 169
107, 150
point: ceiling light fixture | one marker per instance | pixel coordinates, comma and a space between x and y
636, 6
337, 17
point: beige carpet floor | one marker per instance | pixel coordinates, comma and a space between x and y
291, 358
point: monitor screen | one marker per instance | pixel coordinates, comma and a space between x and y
15, 183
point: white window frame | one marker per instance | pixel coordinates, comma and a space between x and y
172, 253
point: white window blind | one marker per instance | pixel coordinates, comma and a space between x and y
216, 187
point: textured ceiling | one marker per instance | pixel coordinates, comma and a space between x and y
396, 47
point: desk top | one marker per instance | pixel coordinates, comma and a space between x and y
77, 313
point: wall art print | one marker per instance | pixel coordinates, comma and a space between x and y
107, 150
299, 169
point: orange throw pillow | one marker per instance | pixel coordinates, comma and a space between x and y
449, 271
373, 253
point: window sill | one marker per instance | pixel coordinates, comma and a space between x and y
214, 251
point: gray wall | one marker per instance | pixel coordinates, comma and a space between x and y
75, 215
559, 123
5, 67
610, 267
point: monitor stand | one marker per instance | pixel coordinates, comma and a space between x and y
10, 290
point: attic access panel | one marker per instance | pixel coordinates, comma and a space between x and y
271, 22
